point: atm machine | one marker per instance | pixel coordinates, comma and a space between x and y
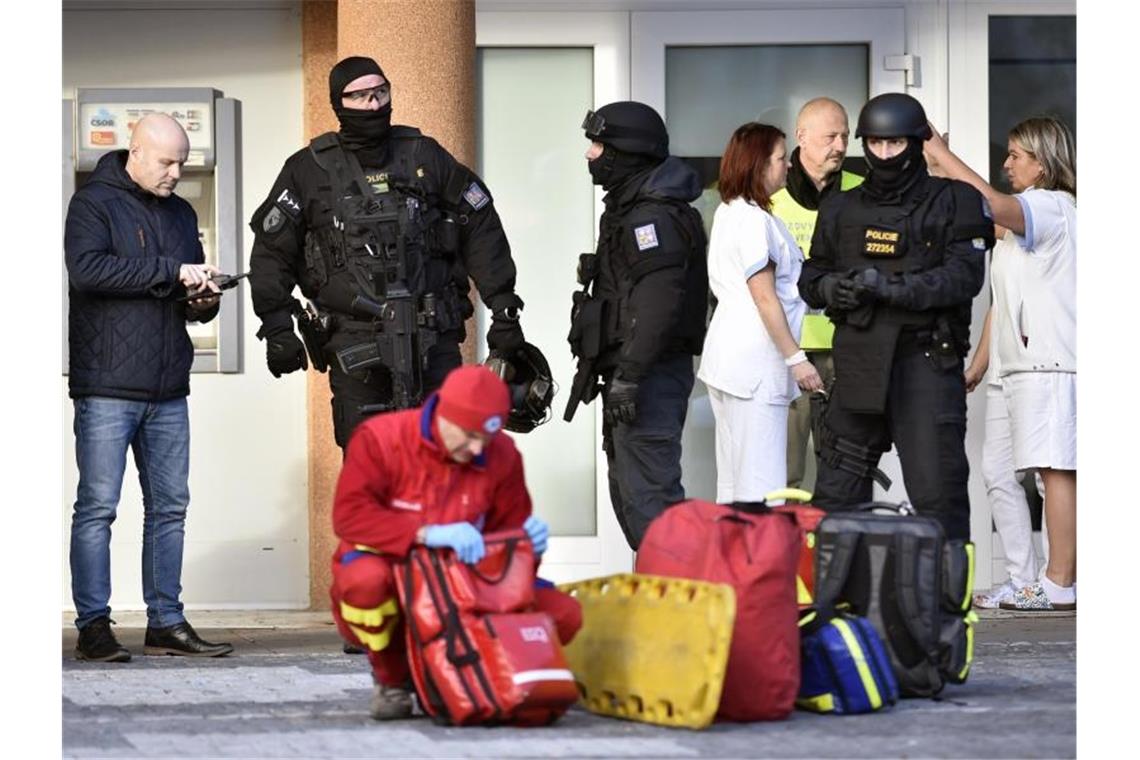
99, 120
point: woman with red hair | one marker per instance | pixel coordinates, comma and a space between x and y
752, 363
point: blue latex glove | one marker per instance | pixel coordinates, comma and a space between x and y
461, 536
538, 531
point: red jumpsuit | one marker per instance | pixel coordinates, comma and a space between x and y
396, 479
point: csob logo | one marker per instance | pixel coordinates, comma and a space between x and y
103, 118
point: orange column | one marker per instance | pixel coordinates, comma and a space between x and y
427, 50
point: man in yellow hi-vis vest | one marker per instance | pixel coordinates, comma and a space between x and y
816, 170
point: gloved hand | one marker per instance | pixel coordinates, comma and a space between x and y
463, 537
285, 353
505, 336
621, 402
851, 293
828, 284
879, 287
538, 531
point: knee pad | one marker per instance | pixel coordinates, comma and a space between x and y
364, 581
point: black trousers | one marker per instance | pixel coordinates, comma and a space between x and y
644, 458
925, 417
358, 395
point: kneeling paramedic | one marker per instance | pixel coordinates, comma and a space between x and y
897, 262
440, 475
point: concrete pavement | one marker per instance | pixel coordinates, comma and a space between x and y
288, 691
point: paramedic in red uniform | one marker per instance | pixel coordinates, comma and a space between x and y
439, 475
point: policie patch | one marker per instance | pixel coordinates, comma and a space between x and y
475, 196
646, 237
880, 242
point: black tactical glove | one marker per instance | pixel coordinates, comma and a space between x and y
827, 287
285, 353
620, 402
880, 288
850, 293
505, 336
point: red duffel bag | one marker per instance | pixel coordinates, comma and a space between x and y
757, 555
476, 651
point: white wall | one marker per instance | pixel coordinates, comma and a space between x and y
247, 529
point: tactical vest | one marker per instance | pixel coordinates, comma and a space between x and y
894, 240
817, 329
388, 237
617, 276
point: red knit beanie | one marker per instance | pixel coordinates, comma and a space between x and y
474, 398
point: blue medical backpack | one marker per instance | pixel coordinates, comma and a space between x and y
845, 666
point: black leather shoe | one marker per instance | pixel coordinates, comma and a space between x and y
181, 639
97, 643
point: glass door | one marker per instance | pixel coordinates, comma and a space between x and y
1008, 61
538, 74
709, 72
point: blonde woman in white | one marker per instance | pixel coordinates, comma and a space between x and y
752, 362
1033, 324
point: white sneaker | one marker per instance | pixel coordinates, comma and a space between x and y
996, 595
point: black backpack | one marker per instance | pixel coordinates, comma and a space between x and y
899, 571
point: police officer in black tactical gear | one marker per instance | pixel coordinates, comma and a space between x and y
897, 262
640, 317
380, 226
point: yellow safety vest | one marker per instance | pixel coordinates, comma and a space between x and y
817, 330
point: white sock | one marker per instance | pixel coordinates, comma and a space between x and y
1058, 594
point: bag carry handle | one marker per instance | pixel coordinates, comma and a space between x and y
511, 538
902, 508
794, 494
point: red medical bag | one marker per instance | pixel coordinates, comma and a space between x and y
475, 655
757, 554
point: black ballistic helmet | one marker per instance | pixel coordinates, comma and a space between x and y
630, 127
893, 114
527, 375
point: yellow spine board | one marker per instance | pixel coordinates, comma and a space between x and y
652, 649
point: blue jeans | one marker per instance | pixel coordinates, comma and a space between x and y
159, 435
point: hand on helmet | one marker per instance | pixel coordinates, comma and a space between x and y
285, 353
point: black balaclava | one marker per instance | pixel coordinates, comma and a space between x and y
358, 128
892, 177
614, 167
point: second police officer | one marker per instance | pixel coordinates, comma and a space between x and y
380, 226
897, 262
641, 317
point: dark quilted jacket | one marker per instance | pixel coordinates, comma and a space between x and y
123, 246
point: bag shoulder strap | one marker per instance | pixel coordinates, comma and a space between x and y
830, 580
908, 556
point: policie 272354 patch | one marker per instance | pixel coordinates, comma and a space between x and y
880, 242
